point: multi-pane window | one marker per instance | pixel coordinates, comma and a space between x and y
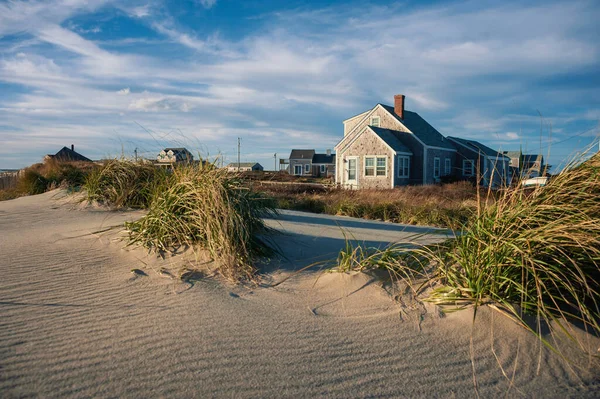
447, 167
375, 166
403, 166
468, 167
436, 167
322, 168
297, 169
370, 166
307, 168
381, 166
375, 121
352, 169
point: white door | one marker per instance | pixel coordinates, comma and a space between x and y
351, 172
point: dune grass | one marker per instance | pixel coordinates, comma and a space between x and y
529, 253
193, 206
123, 183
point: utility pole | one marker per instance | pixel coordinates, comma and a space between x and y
275, 156
135, 151
239, 141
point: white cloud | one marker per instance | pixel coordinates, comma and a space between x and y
208, 3
124, 92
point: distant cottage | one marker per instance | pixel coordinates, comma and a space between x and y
174, 156
309, 163
68, 155
245, 167
386, 147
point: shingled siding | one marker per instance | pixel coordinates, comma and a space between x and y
416, 160
301, 162
369, 144
386, 121
442, 155
349, 125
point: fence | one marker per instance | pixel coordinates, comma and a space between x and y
9, 179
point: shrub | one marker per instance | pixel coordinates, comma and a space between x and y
31, 182
206, 208
124, 183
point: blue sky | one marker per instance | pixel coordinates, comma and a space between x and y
113, 76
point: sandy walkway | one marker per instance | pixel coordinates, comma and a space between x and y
73, 322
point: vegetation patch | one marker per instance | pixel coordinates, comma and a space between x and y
527, 253
448, 205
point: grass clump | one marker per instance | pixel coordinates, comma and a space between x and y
528, 253
204, 207
124, 183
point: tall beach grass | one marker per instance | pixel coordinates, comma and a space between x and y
191, 206
533, 252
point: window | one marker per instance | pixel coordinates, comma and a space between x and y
297, 169
381, 166
436, 168
375, 121
322, 168
352, 169
375, 166
447, 167
403, 166
307, 168
468, 167
369, 166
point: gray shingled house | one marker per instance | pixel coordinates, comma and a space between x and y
479, 161
245, 167
386, 147
309, 163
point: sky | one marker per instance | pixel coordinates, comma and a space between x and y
114, 76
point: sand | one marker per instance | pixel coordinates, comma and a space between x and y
75, 322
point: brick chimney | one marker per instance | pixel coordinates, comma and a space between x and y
72, 147
399, 105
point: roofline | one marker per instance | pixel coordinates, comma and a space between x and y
498, 153
352, 117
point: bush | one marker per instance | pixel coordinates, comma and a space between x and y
124, 183
31, 182
204, 207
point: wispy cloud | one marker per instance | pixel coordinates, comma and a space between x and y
474, 69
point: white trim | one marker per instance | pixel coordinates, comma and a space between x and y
447, 167
301, 169
360, 134
373, 118
375, 158
439, 167
401, 167
472, 161
355, 116
345, 172
307, 168
441, 148
322, 168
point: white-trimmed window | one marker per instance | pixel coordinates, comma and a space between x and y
403, 166
322, 168
436, 168
468, 167
307, 168
375, 121
375, 166
297, 169
447, 167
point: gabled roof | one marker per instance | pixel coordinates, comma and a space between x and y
323, 158
302, 154
420, 128
476, 146
67, 154
390, 137
512, 154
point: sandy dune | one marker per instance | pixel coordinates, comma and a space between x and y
74, 321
